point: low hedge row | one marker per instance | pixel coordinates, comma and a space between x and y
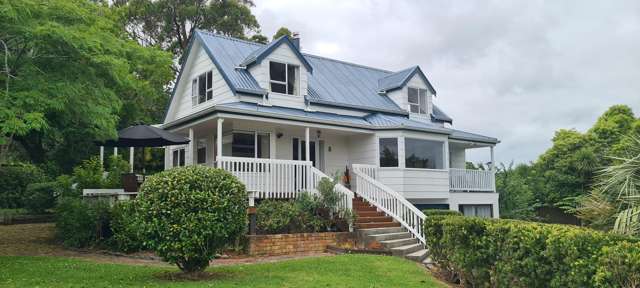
511, 253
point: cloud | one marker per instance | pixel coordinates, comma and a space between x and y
516, 70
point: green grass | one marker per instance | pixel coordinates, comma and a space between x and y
338, 271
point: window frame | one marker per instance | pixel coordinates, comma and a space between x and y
443, 151
397, 152
182, 153
255, 142
296, 82
475, 209
208, 88
423, 99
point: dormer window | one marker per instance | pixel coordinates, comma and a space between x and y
417, 99
283, 78
202, 88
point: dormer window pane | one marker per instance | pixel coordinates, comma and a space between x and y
283, 78
278, 71
417, 100
423, 101
202, 88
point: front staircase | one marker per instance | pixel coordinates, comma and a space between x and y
378, 231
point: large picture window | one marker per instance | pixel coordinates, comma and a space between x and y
202, 88
388, 148
418, 100
283, 78
482, 211
425, 154
247, 144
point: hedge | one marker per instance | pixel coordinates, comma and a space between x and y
511, 253
14, 179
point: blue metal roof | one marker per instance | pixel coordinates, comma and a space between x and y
399, 79
289, 112
462, 135
258, 55
438, 115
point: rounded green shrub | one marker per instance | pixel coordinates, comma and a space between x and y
276, 216
14, 179
40, 196
189, 214
619, 266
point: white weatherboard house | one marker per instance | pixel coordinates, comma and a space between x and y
280, 119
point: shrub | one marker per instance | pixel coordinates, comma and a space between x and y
14, 179
441, 212
619, 266
40, 196
276, 216
125, 228
511, 253
116, 167
88, 174
80, 223
188, 214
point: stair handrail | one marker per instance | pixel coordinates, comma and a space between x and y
394, 205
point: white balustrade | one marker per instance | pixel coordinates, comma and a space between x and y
472, 180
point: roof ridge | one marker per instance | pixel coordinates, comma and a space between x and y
348, 63
213, 34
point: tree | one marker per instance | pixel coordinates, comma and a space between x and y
189, 214
75, 78
259, 38
516, 191
615, 201
282, 32
169, 24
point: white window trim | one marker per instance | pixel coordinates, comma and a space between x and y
426, 99
178, 150
378, 151
445, 158
255, 141
286, 77
195, 100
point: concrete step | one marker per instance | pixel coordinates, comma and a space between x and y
374, 219
390, 236
398, 242
404, 250
376, 225
370, 214
417, 256
378, 231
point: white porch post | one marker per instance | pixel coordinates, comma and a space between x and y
131, 159
192, 145
102, 156
219, 140
115, 151
306, 144
493, 164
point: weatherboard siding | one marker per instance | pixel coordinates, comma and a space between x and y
198, 62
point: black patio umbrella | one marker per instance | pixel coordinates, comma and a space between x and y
145, 136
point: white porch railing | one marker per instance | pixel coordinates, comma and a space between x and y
472, 180
388, 200
277, 178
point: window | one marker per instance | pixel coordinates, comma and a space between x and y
247, 144
178, 157
202, 151
418, 100
423, 154
388, 152
202, 88
483, 211
283, 78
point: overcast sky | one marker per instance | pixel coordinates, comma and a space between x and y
515, 70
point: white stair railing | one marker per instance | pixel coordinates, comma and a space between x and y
388, 200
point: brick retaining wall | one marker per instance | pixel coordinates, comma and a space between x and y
283, 244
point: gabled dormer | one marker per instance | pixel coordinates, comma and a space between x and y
280, 68
410, 89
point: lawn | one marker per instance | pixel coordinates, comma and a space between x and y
331, 271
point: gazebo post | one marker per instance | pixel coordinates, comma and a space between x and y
131, 159
115, 151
